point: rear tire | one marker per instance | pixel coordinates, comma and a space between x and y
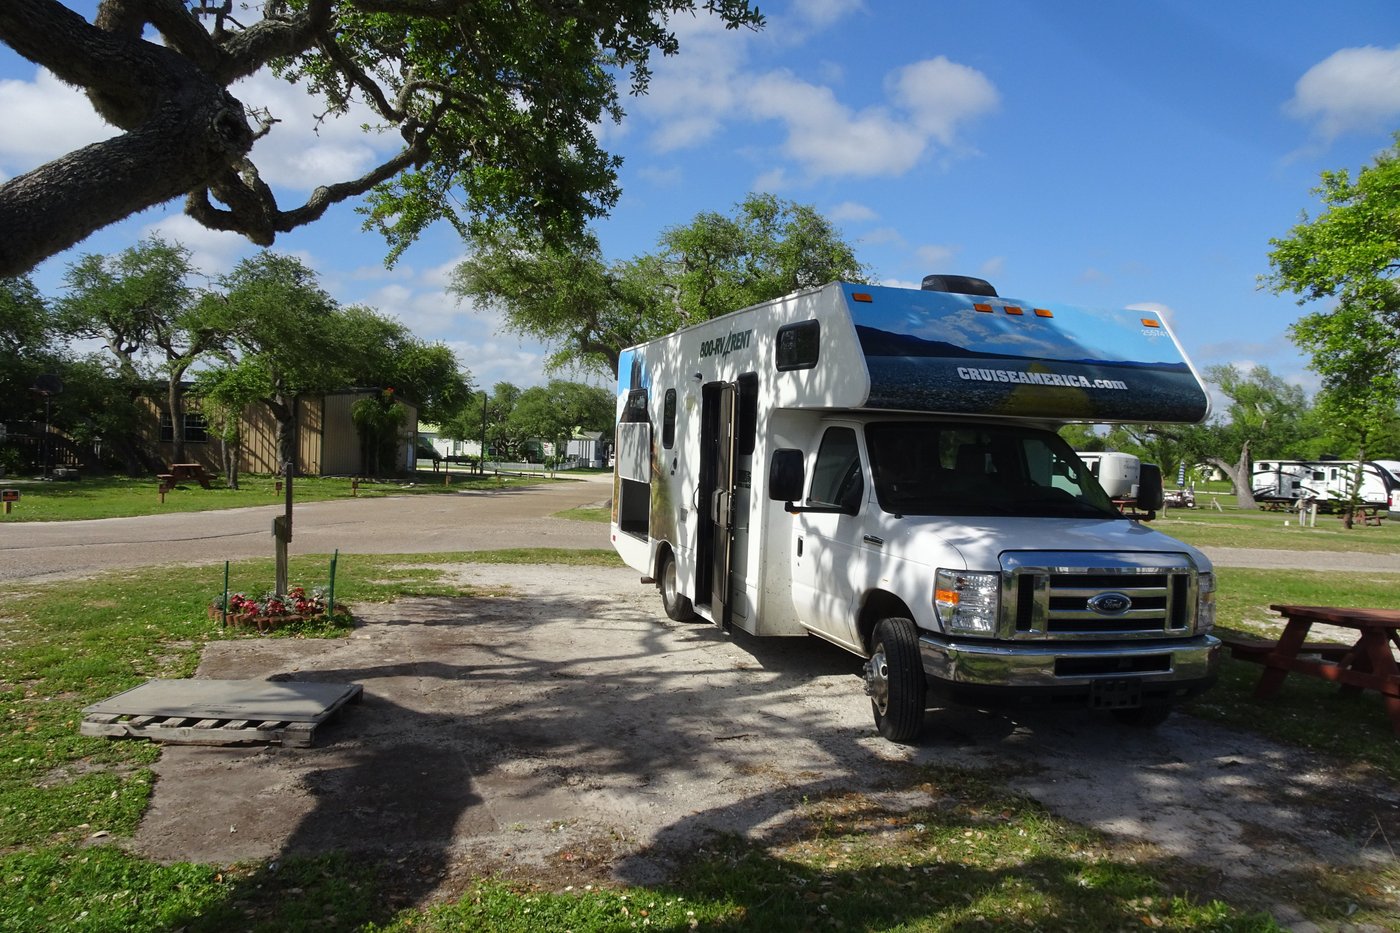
677, 606
895, 680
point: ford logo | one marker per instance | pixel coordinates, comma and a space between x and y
1110, 604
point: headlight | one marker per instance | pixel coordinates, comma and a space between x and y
1205, 603
967, 602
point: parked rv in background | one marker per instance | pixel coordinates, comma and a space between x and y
879, 467
1393, 468
1330, 483
1116, 472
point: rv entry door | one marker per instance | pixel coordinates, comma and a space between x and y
716, 498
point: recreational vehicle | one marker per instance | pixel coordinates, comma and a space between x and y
1117, 473
879, 467
1331, 483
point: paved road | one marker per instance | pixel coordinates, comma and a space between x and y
467, 521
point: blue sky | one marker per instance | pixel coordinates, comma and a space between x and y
1102, 154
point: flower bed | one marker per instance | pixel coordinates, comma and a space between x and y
272, 611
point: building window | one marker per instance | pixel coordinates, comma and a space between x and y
196, 428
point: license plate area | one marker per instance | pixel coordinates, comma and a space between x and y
1115, 694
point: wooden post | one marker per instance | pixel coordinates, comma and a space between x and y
279, 539
282, 533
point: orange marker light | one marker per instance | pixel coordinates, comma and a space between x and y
1151, 322
1012, 309
983, 308
1044, 312
946, 596
861, 296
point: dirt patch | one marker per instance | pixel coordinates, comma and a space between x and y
564, 729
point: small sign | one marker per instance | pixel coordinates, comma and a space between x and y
9, 495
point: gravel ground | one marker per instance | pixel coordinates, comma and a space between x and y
559, 727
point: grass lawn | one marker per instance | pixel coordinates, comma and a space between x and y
121, 496
1232, 527
980, 858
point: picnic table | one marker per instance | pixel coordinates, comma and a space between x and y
1366, 514
1369, 664
183, 472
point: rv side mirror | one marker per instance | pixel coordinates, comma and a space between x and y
787, 474
1150, 498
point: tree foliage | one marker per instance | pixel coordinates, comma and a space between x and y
28, 344
588, 310
140, 304
1350, 253
493, 105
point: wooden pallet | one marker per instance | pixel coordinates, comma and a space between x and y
147, 712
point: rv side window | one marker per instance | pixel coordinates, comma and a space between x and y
636, 407
798, 346
748, 413
668, 419
836, 478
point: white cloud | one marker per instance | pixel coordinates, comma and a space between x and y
804, 18
690, 93
698, 95
935, 255
850, 211
929, 103
1352, 90
942, 95
828, 138
45, 119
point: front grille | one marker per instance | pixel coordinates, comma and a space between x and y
1059, 602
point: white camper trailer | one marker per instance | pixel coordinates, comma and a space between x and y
879, 467
1116, 472
1329, 482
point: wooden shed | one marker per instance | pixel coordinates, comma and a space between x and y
328, 443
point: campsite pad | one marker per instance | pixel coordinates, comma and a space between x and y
219, 712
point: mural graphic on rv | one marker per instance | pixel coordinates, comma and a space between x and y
935, 351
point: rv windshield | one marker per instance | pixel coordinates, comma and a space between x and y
937, 468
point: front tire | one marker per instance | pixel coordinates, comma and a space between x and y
677, 605
894, 678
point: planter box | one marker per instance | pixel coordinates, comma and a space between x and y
259, 622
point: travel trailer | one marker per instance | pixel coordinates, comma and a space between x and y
879, 467
1328, 482
1116, 472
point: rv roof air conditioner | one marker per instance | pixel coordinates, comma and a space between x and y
959, 284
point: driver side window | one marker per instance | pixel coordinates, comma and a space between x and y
836, 477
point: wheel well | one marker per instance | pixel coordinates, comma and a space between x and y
879, 604
663, 548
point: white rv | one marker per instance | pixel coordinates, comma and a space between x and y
1117, 473
879, 467
1329, 482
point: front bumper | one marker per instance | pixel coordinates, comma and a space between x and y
996, 671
